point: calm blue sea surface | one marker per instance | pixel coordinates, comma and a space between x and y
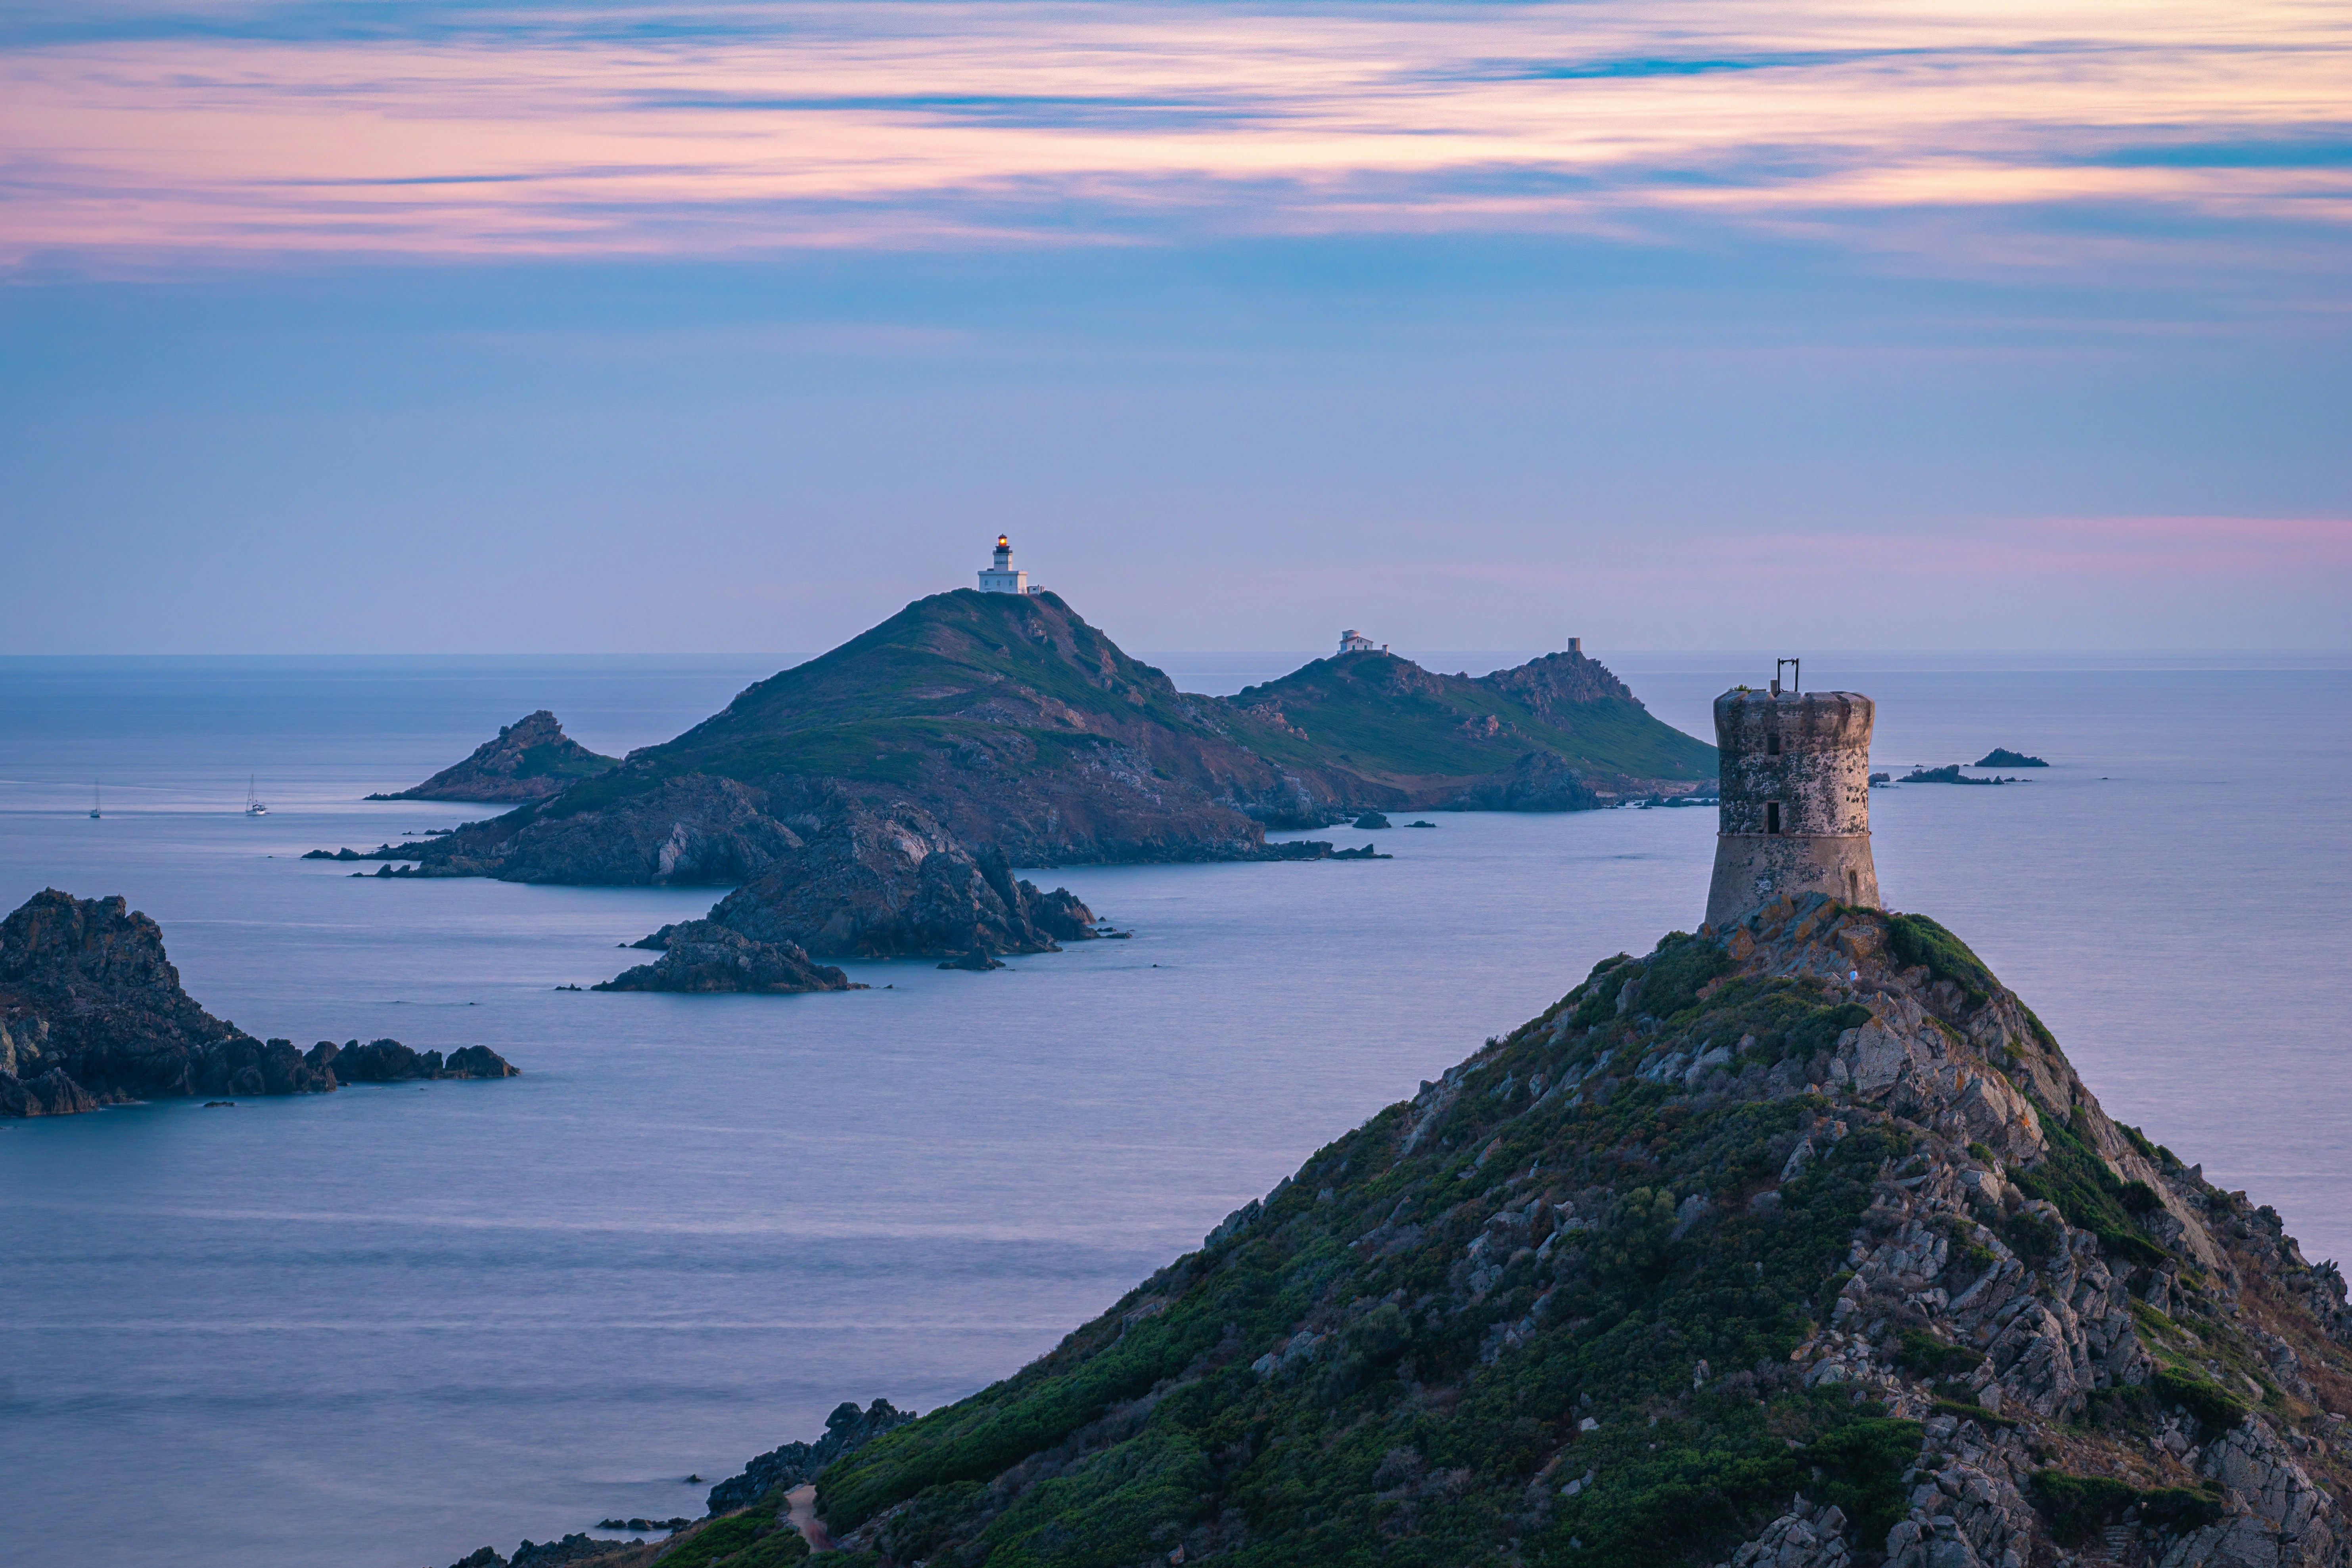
388, 1325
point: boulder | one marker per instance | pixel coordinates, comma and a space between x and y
478, 1061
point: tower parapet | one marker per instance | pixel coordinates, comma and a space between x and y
1795, 817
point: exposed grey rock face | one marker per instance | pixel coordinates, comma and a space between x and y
532, 758
92, 1012
389, 1061
846, 1430
693, 831
1804, 1537
704, 956
890, 882
1538, 781
2280, 1516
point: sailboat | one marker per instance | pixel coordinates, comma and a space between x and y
94, 812
253, 807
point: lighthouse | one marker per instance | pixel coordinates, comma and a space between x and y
1795, 817
1001, 578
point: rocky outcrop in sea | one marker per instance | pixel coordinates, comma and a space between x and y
530, 758
705, 956
92, 1013
888, 881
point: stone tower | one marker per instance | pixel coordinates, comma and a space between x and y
1796, 800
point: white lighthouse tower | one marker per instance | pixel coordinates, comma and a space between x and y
1001, 578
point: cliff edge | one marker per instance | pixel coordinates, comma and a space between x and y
1799, 1244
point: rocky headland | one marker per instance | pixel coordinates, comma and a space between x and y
1023, 732
530, 758
1794, 1245
92, 1013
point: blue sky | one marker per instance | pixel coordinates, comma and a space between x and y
358, 328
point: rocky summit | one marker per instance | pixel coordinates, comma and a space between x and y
1798, 1243
92, 1012
530, 758
1024, 732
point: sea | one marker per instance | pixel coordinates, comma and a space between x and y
386, 1326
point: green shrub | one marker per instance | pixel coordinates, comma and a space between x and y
1678, 972
2213, 1405
1924, 1355
2090, 1195
2078, 1507
722, 1540
1917, 940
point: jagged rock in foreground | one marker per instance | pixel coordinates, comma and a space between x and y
92, 1012
1802, 1245
532, 758
704, 956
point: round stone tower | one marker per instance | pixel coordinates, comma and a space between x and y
1796, 800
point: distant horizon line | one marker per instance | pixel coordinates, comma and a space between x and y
1149, 655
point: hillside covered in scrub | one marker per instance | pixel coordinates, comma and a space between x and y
1023, 732
1801, 1245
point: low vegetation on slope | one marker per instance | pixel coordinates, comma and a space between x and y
1389, 722
1804, 1235
1022, 729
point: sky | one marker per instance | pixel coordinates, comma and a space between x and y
439, 327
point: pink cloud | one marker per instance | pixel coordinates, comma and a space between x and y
825, 125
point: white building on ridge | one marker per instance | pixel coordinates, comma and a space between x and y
1356, 642
1001, 578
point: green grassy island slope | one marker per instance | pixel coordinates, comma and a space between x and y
1024, 731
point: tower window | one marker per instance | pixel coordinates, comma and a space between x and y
1772, 818
1772, 745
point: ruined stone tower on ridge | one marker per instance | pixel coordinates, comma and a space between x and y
1796, 799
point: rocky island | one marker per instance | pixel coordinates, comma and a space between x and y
92, 1013
2002, 757
530, 758
1796, 1244
1950, 773
1024, 733
859, 882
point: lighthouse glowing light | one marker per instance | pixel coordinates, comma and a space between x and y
1001, 578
